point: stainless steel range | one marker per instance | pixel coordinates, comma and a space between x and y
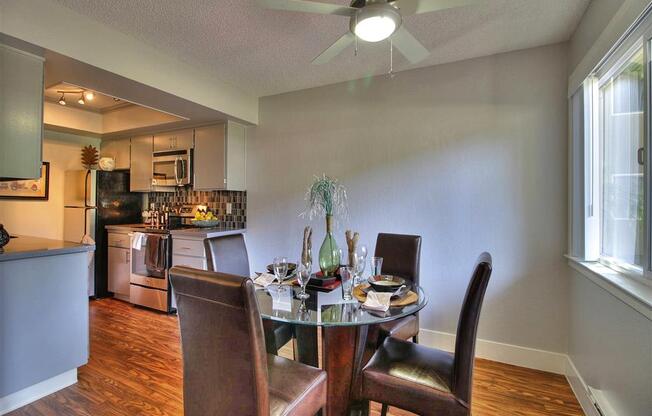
149, 283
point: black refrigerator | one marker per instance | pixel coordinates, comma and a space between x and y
94, 199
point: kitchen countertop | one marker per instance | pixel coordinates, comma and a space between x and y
25, 247
202, 233
193, 233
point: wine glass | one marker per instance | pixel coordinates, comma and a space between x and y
303, 277
280, 268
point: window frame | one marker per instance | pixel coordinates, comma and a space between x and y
594, 142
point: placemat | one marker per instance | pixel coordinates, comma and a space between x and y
408, 299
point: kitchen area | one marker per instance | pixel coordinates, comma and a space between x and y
170, 191
152, 183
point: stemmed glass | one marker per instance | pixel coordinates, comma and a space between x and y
280, 268
303, 277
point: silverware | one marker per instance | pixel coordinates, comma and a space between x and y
400, 292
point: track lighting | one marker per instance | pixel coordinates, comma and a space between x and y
84, 96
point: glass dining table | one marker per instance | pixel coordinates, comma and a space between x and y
349, 335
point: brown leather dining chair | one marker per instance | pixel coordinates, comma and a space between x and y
226, 370
401, 257
228, 254
428, 381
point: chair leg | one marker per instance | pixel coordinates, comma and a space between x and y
383, 411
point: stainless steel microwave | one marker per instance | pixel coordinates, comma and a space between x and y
172, 168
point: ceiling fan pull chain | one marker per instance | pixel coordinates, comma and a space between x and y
356, 38
391, 58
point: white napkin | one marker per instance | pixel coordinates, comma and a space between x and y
281, 297
265, 279
377, 301
137, 241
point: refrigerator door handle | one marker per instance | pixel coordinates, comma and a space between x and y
88, 175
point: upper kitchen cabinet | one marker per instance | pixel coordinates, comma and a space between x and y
140, 178
174, 140
21, 114
119, 150
219, 157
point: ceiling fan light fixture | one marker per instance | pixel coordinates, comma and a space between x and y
376, 22
62, 100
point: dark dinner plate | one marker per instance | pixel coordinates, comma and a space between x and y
291, 268
386, 283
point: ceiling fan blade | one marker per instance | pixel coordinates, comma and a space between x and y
335, 49
409, 7
409, 46
308, 7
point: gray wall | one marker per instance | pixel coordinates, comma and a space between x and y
611, 346
470, 155
595, 19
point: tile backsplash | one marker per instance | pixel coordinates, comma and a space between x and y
215, 201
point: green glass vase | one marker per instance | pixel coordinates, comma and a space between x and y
329, 253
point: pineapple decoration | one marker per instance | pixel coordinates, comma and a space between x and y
89, 156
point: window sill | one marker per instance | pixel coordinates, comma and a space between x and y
633, 292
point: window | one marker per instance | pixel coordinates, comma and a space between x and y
621, 136
610, 154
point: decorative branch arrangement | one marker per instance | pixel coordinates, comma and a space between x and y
89, 156
352, 244
326, 197
306, 253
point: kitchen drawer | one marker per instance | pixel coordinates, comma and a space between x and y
194, 262
193, 248
118, 240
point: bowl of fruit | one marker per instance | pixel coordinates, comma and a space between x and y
205, 219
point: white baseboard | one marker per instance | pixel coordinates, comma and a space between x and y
580, 389
35, 392
553, 362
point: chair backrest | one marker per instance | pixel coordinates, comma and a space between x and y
401, 255
227, 254
224, 358
467, 328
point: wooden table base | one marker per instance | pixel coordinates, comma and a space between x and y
345, 350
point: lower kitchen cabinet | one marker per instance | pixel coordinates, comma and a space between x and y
119, 272
194, 262
189, 252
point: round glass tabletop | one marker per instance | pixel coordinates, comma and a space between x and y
326, 308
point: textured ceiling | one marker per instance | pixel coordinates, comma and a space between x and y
266, 52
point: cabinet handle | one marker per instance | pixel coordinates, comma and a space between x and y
127, 256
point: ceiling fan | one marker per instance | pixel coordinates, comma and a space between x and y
372, 21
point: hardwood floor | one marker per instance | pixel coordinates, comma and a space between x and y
135, 369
